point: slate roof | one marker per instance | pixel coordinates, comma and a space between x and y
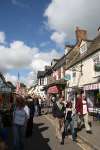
60, 62
75, 57
2, 77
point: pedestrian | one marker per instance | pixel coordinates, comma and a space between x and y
29, 128
58, 113
36, 105
20, 118
82, 110
70, 120
40, 104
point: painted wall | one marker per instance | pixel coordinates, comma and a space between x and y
88, 73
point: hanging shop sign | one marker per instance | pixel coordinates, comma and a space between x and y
67, 77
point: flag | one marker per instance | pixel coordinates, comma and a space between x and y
18, 87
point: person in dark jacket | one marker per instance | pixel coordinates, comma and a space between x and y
82, 110
59, 116
29, 129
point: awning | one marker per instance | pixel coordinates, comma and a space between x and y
53, 90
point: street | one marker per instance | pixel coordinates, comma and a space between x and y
44, 137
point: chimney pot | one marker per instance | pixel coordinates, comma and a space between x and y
81, 34
99, 29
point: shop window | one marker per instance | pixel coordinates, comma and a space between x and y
98, 100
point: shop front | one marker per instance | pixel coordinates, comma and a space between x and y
58, 87
5, 96
72, 92
92, 92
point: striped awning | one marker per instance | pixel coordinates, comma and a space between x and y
53, 90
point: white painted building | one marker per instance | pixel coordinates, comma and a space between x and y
84, 71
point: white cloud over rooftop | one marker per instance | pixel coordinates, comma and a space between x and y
65, 15
2, 37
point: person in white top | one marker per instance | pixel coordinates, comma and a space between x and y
20, 117
40, 103
27, 110
85, 114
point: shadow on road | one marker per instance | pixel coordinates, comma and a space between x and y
36, 142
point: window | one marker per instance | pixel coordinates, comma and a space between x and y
96, 61
74, 74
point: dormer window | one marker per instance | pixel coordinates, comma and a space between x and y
96, 60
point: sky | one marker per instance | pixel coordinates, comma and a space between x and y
33, 32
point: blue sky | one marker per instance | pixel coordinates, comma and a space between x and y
33, 32
23, 20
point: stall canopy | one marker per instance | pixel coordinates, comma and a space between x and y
53, 90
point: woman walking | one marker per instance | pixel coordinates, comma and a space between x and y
19, 124
70, 120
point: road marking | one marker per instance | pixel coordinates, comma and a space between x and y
83, 145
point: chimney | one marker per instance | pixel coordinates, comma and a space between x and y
80, 34
99, 30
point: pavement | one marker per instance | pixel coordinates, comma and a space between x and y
90, 140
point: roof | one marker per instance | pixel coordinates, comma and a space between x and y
40, 74
93, 46
70, 46
2, 77
60, 62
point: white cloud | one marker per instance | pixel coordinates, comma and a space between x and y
20, 3
65, 15
2, 37
20, 56
30, 79
43, 44
58, 38
11, 78
44, 58
27, 80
